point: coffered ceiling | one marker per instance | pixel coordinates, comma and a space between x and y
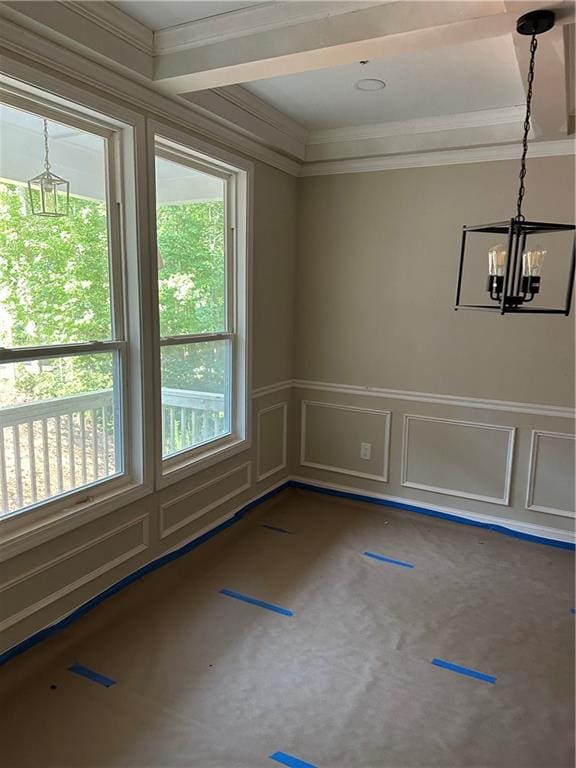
286, 74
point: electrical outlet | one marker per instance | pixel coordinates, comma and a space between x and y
366, 451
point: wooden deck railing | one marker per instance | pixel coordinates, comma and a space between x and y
53, 446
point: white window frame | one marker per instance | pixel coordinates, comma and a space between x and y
238, 172
77, 506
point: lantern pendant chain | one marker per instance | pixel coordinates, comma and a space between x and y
46, 157
521, 189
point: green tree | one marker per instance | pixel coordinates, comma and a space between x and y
54, 289
191, 291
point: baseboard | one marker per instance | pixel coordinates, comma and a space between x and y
182, 549
540, 534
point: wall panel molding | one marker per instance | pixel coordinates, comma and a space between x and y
511, 431
382, 477
167, 530
283, 406
533, 465
143, 521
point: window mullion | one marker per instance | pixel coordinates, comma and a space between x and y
195, 338
15, 354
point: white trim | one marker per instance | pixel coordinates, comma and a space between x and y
239, 215
266, 113
246, 21
225, 517
17, 537
271, 388
284, 463
534, 444
35, 59
546, 532
477, 119
106, 16
504, 500
382, 478
87, 577
121, 132
209, 507
536, 409
441, 157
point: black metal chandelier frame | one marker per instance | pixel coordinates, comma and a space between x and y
512, 290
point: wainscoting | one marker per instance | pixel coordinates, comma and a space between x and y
47, 578
508, 464
489, 460
458, 458
322, 447
552, 456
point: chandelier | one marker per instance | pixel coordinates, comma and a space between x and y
515, 264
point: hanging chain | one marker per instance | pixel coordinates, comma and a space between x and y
46, 159
521, 189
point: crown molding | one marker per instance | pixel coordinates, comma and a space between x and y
30, 57
477, 119
443, 157
265, 112
113, 20
247, 21
244, 112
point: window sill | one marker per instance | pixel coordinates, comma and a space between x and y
173, 470
19, 533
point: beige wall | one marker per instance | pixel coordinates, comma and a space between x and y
376, 271
273, 279
376, 275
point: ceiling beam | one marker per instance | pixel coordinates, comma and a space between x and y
389, 29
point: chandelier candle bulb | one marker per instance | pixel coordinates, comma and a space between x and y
532, 262
497, 260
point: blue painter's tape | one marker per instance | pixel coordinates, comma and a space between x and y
76, 614
80, 669
275, 528
376, 556
255, 601
434, 513
464, 671
290, 761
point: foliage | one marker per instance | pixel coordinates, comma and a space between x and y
55, 289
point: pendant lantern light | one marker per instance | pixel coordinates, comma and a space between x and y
515, 264
53, 198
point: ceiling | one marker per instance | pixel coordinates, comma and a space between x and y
161, 14
462, 78
279, 77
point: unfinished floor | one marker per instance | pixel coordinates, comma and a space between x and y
207, 680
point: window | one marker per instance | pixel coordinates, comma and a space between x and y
201, 303
62, 334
